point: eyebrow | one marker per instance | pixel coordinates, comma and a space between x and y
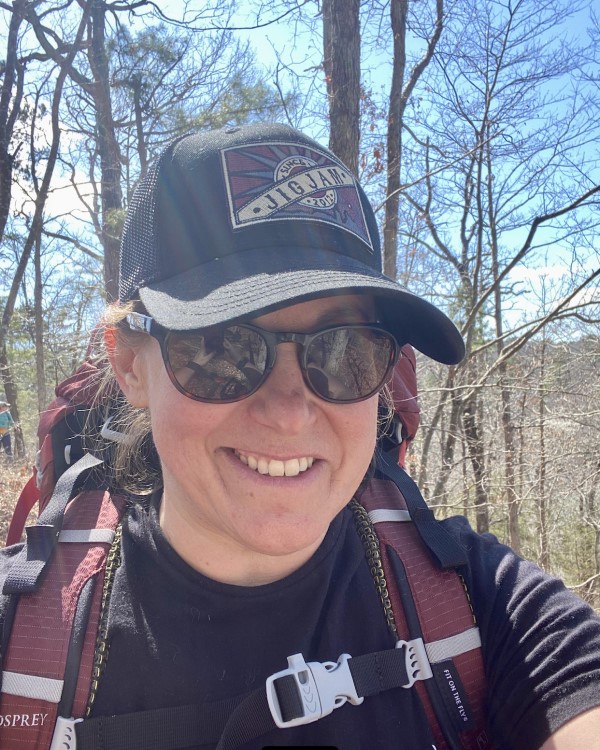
346, 313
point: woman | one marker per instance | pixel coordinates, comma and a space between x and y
6, 425
256, 333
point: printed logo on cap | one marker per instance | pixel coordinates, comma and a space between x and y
288, 181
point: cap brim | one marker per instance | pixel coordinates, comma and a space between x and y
229, 288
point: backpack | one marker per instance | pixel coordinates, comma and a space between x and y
59, 435
57, 592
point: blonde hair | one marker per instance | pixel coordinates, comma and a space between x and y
133, 464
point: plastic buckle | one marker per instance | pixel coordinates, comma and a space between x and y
322, 686
416, 660
118, 437
64, 737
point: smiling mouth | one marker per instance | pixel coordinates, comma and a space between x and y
275, 468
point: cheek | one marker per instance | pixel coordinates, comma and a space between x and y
183, 430
358, 431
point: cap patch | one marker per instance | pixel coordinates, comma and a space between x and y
288, 181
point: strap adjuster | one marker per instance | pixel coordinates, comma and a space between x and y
64, 737
321, 686
417, 662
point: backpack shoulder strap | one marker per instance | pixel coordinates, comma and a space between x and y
59, 614
426, 598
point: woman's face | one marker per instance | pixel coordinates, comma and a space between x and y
222, 463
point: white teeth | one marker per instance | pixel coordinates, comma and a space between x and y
276, 468
292, 468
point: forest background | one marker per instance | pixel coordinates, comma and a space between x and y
475, 128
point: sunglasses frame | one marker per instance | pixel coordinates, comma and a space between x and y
144, 323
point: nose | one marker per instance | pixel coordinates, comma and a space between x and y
283, 402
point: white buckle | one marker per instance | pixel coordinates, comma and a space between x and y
416, 660
322, 686
118, 437
64, 737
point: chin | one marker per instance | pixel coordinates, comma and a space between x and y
283, 539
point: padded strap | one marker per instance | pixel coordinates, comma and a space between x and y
30, 563
61, 618
445, 549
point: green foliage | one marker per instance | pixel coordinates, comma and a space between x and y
114, 220
65, 343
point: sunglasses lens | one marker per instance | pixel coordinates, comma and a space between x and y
349, 363
219, 365
342, 364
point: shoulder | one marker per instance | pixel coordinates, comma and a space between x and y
502, 582
541, 642
505, 587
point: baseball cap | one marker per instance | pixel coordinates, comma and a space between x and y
237, 222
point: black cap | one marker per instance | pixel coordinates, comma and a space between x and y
237, 222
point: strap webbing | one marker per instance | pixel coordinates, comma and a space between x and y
448, 648
231, 723
31, 686
170, 728
42, 538
446, 550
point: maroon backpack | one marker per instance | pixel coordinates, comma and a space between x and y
60, 442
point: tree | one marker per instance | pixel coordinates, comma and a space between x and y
11, 96
400, 92
85, 100
499, 187
92, 75
32, 238
341, 63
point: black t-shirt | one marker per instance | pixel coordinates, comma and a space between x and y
177, 637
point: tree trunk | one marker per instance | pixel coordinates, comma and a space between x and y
40, 202
341, 62
108, 148
399, 95
508, 430
142, 150
12, 91
398, 14
38, 290
542, 499
448, 449
476, 454
10, 388
510, 456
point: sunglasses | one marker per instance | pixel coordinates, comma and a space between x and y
343, 364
